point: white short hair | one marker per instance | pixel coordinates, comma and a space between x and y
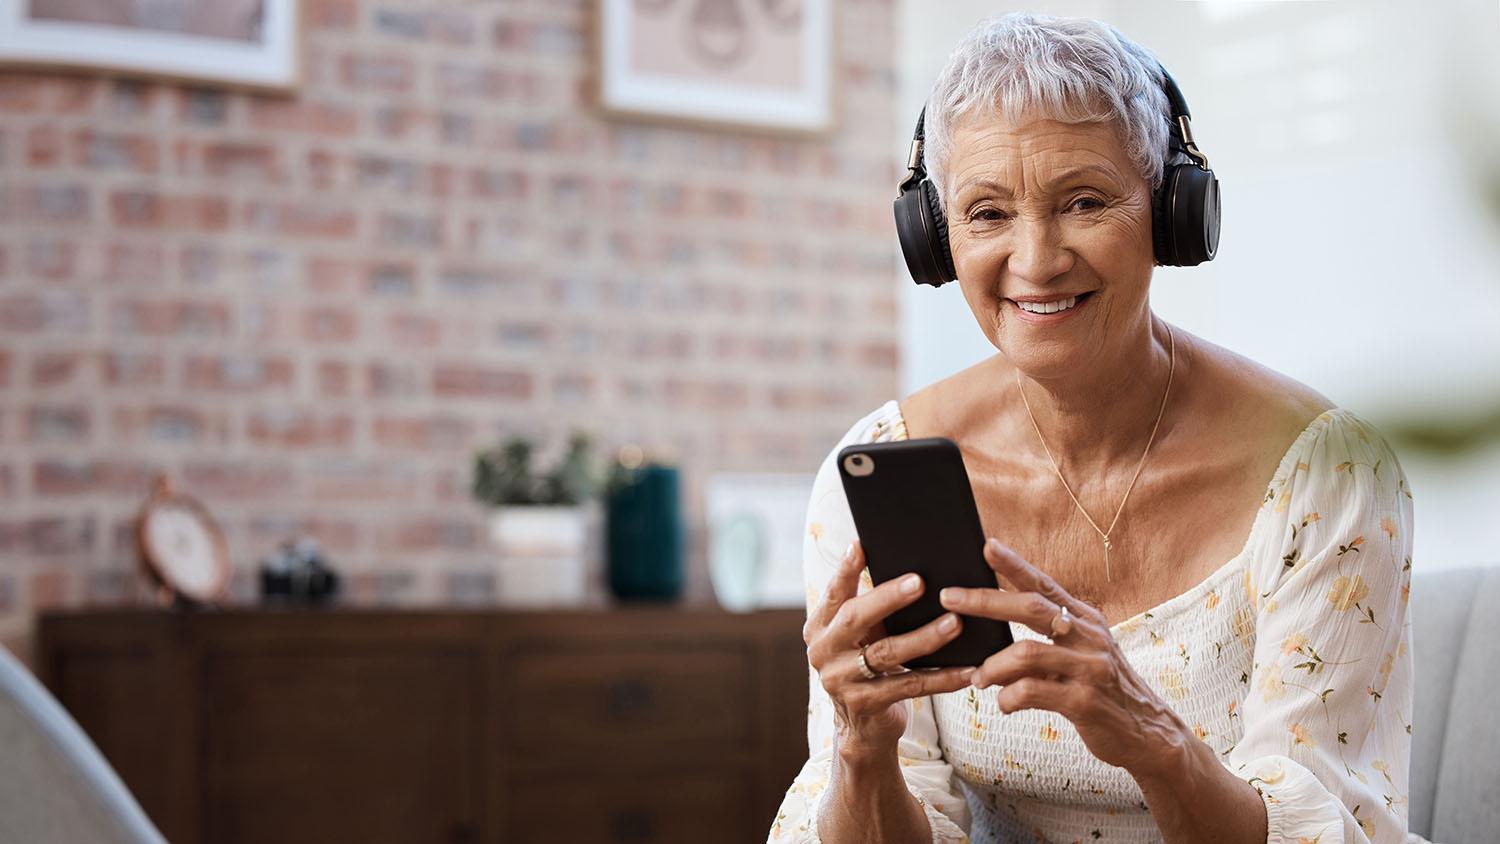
1070, 69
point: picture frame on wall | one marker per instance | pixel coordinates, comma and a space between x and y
236, 43
756, 64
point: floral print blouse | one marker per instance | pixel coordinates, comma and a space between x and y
1292, 661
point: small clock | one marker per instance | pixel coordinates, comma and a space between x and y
182, 549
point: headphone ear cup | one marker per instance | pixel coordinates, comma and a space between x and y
940, 230
923, 233
1185, 217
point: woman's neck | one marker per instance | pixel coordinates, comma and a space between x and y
1097, 424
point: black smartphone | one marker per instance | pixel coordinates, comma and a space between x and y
914, 511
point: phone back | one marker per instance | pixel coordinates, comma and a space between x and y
914, 511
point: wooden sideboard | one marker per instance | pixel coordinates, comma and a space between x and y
647, 724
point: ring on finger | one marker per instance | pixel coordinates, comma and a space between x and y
864, 665
1062, 623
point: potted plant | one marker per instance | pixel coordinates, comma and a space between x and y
539, 525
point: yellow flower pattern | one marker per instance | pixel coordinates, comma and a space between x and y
1292, 662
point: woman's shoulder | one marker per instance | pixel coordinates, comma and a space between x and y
1250, 395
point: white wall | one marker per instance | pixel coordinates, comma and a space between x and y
1357, 253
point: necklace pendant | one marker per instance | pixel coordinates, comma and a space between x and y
1107, 577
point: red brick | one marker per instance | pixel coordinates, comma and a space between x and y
173, 318
283, 114
301, 219
144, 209
423, 432
125, 479
332, 276
171, 424
406, 330
335, 378
133, 369
388, 379
49, 535
238, 373
52, 369
300, 429
255, 162
465, 380
44, 147
131, 262
58, 424
56, 202
334, 15
47, 311
237, 479
49, 590
21, 93
116, 151
879, 355
392, 74
330, 324
360, 480
431, 533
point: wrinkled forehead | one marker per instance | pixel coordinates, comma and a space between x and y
1035, 151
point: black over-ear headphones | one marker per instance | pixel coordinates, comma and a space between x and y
1184, 210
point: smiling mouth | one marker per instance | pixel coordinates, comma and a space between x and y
1057, 306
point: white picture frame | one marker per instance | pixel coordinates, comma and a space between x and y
764, 65
254, 46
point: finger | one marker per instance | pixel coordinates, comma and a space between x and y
1025, 577
873, 695
1038, 693
1030, 658
1028, 608
891, 652
843, 585
860, 613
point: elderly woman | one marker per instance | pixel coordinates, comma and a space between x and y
1227, 658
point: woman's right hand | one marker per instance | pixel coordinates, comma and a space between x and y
870, 714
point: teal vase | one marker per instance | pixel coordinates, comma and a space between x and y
644, 535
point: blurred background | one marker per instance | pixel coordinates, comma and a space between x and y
336, 268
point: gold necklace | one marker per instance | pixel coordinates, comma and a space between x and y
1104, 534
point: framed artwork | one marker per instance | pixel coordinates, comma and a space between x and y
762, 64
241, 43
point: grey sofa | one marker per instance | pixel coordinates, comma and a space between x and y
55, 787
1455, 766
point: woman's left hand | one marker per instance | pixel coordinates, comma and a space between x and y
1082, 675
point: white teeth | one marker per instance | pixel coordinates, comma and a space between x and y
1048, 307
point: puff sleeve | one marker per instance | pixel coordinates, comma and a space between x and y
828, 531
1327, 719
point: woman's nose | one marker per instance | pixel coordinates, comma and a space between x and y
1038, 255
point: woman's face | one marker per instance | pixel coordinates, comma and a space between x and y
1041, 210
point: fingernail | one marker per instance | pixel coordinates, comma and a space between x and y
849, 556
911, 583
965, 674
951, 596
994, 544
981, 684
948, 624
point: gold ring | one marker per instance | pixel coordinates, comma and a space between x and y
864, 667
1062, 622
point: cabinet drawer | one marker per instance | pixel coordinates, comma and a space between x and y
619, 698
689, 808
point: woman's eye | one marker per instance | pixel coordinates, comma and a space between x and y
986, 215
1086, 203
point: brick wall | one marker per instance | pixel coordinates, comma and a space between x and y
312, 310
